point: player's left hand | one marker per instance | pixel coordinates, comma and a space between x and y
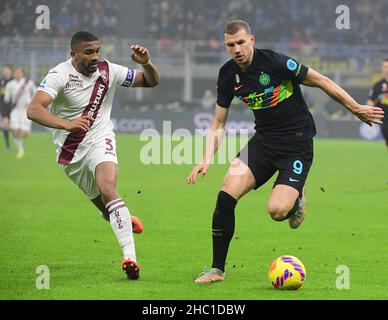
140, 54
369, 114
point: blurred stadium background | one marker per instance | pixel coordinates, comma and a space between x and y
185, 40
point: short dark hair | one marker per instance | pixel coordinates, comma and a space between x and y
235, 26
385, 60
81, 36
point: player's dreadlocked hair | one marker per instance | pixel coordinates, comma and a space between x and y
81, 36
235, 26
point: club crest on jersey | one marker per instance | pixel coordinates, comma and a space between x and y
264, 79
104, 76
237, 78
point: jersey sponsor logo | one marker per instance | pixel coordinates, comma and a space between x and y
291, 64
73, 84
97, 100
73, 76
271, 96
264, 79
238, 87
129, 78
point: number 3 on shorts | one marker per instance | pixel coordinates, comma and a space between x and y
109, 146
298, 167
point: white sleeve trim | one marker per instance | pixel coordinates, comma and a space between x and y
53, 95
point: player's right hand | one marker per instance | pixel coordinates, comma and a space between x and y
198, 169
79, 124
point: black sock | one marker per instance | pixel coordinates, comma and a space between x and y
6, 138
223, 228
293, 210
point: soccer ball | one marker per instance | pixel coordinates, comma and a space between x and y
287, 273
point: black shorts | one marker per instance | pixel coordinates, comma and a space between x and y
292, 160
5, 109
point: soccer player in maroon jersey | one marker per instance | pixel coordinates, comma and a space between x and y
80, 92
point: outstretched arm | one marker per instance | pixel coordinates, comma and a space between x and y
149, 76
366, 113
38, 112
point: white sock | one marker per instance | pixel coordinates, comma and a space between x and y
121, 223
19, 143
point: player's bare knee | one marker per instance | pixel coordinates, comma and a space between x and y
277, 211
277, 216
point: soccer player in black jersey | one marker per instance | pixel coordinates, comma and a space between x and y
269, 84
378, 96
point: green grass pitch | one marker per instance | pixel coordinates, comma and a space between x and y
46, 220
